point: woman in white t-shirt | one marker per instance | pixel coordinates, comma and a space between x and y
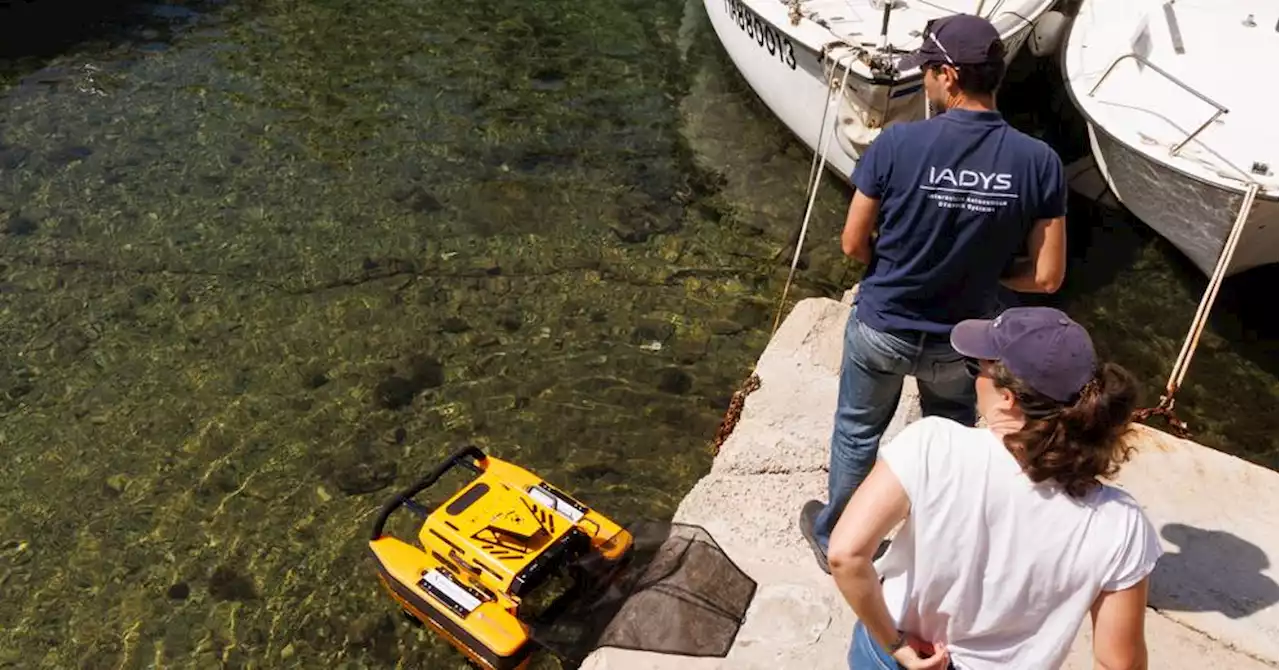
1009, 536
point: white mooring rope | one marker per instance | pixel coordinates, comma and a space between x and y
825, 133
1211, 293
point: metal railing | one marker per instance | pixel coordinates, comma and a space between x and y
1178, 147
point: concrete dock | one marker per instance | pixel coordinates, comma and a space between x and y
1214, 594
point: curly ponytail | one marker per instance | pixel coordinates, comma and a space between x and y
1072, 444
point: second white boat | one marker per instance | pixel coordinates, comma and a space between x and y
1181, 108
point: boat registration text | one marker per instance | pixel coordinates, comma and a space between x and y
765, 35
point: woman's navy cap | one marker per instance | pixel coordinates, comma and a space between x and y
1039, 345
959, 39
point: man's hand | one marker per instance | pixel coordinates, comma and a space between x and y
1046, 266
856, 239
921, 655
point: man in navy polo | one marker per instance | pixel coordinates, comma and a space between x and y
945, 210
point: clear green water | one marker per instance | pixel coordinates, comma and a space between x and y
262, 262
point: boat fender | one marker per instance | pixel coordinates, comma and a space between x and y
859, 134
1047, 32
854, 137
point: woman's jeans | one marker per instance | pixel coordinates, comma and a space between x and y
865, 654
871, 375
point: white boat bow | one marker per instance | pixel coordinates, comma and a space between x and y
1182, 115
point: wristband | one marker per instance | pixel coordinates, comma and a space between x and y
898, 643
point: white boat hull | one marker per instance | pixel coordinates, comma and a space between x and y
1196, 216
788, 79
1177, 130
784, 67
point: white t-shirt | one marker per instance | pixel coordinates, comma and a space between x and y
1001, 569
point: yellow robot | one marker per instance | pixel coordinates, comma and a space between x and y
488, 546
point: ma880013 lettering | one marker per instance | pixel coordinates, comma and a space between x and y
764, 35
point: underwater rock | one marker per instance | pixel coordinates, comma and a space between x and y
225, 583
225, 478
630, 234
364, 468
677, 416
376, 633
652, 330
68, 226
530, 161
599, 473
171, 12
488, 266
687, 352
141, 295
358, 477
418, 199
116, 484
178, 591
547, 79
395, 392
593, 385
641, 216
241, 381
720, 403
751, 315
454, 325
314, 378
12, 158
18, 388
20, 226
425, 373
511, 320
69, 154
725, 327
71, 344
674, 381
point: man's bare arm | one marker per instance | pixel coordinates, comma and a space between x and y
856, 241
1119, 640
1046, 267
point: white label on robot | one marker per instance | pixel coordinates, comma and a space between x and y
447, 586
557, 505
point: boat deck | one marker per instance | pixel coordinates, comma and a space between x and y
859, 22
1223, 50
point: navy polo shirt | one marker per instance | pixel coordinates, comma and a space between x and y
959, 193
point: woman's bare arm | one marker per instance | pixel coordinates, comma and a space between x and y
1119, 639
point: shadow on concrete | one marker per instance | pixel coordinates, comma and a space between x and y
1213, 571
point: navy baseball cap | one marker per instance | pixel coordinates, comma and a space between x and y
959, 39
1039, 345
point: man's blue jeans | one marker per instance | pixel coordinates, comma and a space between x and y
871, 376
